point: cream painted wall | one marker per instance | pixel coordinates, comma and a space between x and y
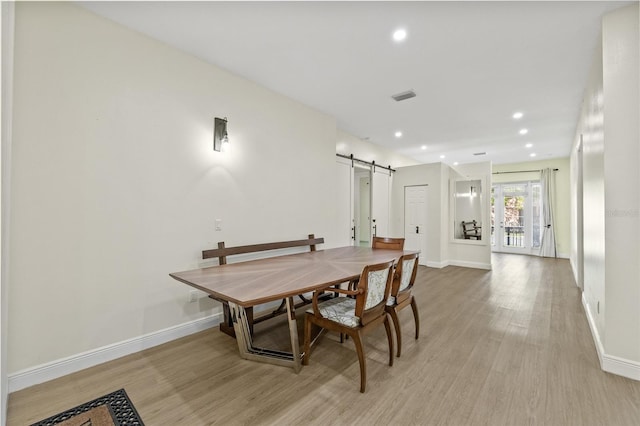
6, 77
609, 124
562, 201
115, 184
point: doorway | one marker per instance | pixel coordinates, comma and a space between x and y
362, 206
516, 215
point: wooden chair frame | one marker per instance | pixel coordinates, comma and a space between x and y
403, 298
369, 318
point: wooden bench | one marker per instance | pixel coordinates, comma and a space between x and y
222, 252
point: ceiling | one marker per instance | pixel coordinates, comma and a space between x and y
471, 64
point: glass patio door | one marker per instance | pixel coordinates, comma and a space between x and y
515, 217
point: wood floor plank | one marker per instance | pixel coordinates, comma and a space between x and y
510, 346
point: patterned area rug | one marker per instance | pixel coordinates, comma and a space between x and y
114, 409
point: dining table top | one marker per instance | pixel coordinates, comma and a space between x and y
254, 282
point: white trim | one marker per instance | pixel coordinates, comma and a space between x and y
438, 265
621, 367
610, 363
594, 329
53, 370
465, 264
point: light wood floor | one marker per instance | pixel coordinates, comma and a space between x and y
506, 347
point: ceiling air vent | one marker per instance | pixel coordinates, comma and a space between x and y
479, 153
404, 95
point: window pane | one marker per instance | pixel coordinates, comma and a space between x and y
514, 221
536, 213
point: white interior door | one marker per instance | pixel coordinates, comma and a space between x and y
380, 195
344, 202
415, 219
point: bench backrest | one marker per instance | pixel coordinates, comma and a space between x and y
222, 252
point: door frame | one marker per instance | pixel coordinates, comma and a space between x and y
497, 235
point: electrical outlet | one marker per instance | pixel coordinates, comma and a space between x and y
193, 296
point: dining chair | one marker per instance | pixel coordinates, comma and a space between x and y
354, 316
401, 297
387, 243
381, 243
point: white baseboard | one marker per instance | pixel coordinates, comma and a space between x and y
610, 363
594, 329
465, 264
621, 367
438, 265
53, 370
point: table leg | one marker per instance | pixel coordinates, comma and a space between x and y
245, 342
293, 334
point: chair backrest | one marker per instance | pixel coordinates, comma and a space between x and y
375, 284
405, 276
387, 243
471, 230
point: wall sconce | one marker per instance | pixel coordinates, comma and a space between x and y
220, 137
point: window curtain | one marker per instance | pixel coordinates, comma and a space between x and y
548, 183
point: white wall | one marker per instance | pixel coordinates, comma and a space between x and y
442, 249
348, 144
470, 253
425, 174
591, 127
621, 75
562, 201
115, 183
609, 125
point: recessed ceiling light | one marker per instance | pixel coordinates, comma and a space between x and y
529, 145
524, 131
533, 154
423, 147
442, 156
399, 34
517, 115
398, 134
455, 163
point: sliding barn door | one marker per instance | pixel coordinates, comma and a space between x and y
344, 202
380, 196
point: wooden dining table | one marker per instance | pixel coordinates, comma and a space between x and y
250, 283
